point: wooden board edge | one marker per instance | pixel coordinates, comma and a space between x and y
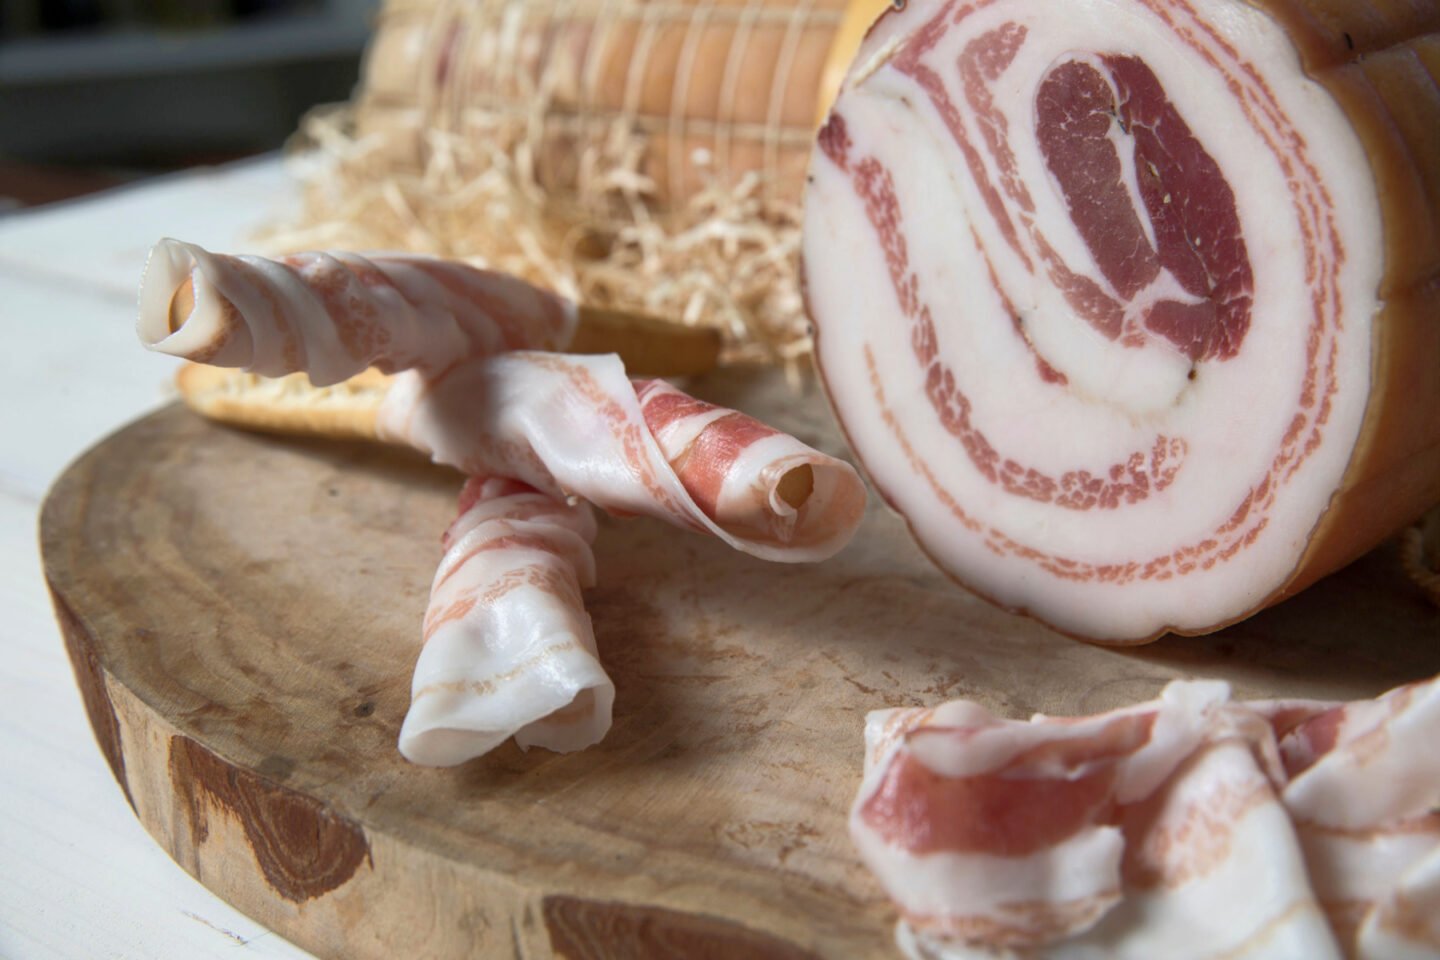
309, 874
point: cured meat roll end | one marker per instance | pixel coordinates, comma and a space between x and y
509, 649
1130, 307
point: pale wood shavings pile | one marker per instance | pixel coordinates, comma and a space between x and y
727, 258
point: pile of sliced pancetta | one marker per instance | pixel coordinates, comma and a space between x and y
1192, 826
508, 647
1130, 306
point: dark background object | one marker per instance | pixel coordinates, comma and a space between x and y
94, 92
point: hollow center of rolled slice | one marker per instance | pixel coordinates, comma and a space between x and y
182, 304
796, 486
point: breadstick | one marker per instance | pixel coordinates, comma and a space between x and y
647, 345
292, 404
288, 404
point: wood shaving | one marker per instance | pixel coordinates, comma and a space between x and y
728, 257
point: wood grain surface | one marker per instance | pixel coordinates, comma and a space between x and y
243, 613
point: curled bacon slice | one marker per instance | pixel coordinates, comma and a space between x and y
1125, 304
333, 314
508, 648
748, 478
576, 426
1310, 828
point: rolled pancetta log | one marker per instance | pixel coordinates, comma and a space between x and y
1130, 306
716, 90
1188, 827
508, 648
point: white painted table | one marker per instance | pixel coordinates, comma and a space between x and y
79, 877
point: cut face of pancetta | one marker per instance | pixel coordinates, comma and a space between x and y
1108, 297
333, 314
508, 648
1188, 827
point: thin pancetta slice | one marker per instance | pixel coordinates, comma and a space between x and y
575, 426
1364, 791
508, 648
334, 314
1129, 306
1301, 826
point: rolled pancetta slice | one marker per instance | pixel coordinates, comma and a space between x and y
578, 427
334, 314
1188, 827
508, 648
1130, 306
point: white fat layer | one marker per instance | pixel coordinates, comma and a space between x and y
1224, 847
1185, 712
749, 500
1231, 417
1215, 837
544, 669
1406, 925
757, 469
749, 496
1221, 844
517, 662
503, 509
1389, 741
1187, 709
1363, 867
169, 264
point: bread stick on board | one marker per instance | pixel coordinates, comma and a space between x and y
292, 404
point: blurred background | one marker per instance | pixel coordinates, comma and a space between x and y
96, 93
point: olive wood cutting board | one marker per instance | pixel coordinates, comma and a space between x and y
243, 613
